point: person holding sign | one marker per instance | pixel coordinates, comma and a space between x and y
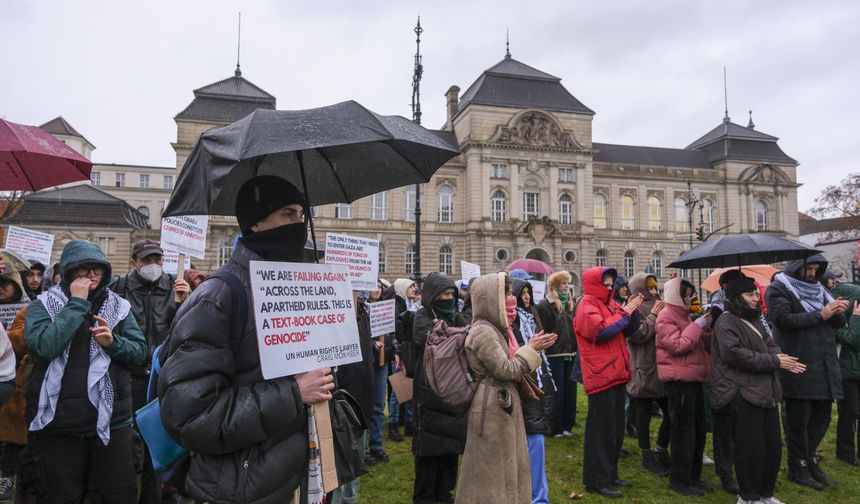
249, 435
79, 405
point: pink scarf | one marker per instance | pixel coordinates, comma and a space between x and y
511, 313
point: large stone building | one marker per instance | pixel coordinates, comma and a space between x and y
530, 182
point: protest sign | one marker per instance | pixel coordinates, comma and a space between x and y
305, 317
381, 318
8, 312
538, 290
185, 234
469, 270
361, 255
30, 244
171, 263
402, 386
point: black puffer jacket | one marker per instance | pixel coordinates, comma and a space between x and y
357, 378
537, 415
806, 336
437, 430
248, 435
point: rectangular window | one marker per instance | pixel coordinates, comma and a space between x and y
446, 207
410, 203
379, 206
381, 258
168, 182
343, 211
144, 181
410, 259
108, 245
565, 174
499, 171
531, 205
96, 178
120, 179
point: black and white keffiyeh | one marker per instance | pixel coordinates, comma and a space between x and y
99, 386
813, 296
528, 326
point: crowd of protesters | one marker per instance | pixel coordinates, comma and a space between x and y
75, 365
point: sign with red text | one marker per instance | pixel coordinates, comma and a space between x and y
30, 244
381, 318
8, 313
305, 317
171, 262
361, 255
185, 234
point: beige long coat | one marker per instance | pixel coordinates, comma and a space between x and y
495, 465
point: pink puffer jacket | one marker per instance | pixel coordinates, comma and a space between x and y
682, 346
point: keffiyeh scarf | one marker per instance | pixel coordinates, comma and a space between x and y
99, 386
528, 326
813, 296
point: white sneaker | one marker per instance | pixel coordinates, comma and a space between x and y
566, 433
771, 500
558, 436
706, 460
744, 501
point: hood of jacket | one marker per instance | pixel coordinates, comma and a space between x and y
434, 285
850, 292
520, 286
488, 300
638, 285
791, 269
401, 285
672, 293
79, 252
14, 266
592, 283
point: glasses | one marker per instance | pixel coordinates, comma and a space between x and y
5, 281
86, 270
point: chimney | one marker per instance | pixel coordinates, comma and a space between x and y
453, 104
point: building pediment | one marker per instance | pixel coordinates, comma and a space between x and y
765, 174
540, 229
534, 128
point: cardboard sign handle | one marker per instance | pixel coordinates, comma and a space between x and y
180, 271
382, 351
326, 438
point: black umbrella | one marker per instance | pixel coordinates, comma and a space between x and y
337, 154
742, 249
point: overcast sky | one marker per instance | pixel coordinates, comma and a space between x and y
652, 71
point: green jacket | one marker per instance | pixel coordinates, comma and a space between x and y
849, 336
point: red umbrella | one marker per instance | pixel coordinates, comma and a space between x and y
32, 159
531, 266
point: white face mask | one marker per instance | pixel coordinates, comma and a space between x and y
150, 272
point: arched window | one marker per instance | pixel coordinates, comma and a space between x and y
601, 259
343, 211
599, 211
382, 257
225, 250
446, 260
144, 210
500, 206
565, 209
410, 258
655, 213
627, 218
709, 214
629, 263
446, 203
657, 263
681, 217
761, 217
379, 206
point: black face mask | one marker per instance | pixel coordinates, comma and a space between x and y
285, 243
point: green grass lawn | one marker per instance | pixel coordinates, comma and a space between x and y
392, 482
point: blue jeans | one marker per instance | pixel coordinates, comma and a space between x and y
380, 385
394, 406
537, 461
348, 492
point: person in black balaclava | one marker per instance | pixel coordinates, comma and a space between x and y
249, 435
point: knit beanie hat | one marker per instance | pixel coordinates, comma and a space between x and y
260, 196
695, 306
740, 285
650, 282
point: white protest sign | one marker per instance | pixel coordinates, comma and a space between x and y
305, 317
361, 255
469, 270
171, 262
8, 312
381, 318
30, 244
185, 234
539, 290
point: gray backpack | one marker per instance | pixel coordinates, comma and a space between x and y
446, 366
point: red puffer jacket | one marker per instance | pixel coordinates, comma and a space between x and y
682, 346
607, 364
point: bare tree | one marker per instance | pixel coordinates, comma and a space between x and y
10, 203
841, 200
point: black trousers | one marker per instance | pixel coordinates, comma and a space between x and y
806, 423
724, 441
642, 414
847, 440
150, 487
71, 467
435, 478
604, 433
564, 404
757, 448
687, 436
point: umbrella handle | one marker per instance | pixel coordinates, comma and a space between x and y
301, 161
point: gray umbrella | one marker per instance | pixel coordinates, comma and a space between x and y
742, 249
337, 154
